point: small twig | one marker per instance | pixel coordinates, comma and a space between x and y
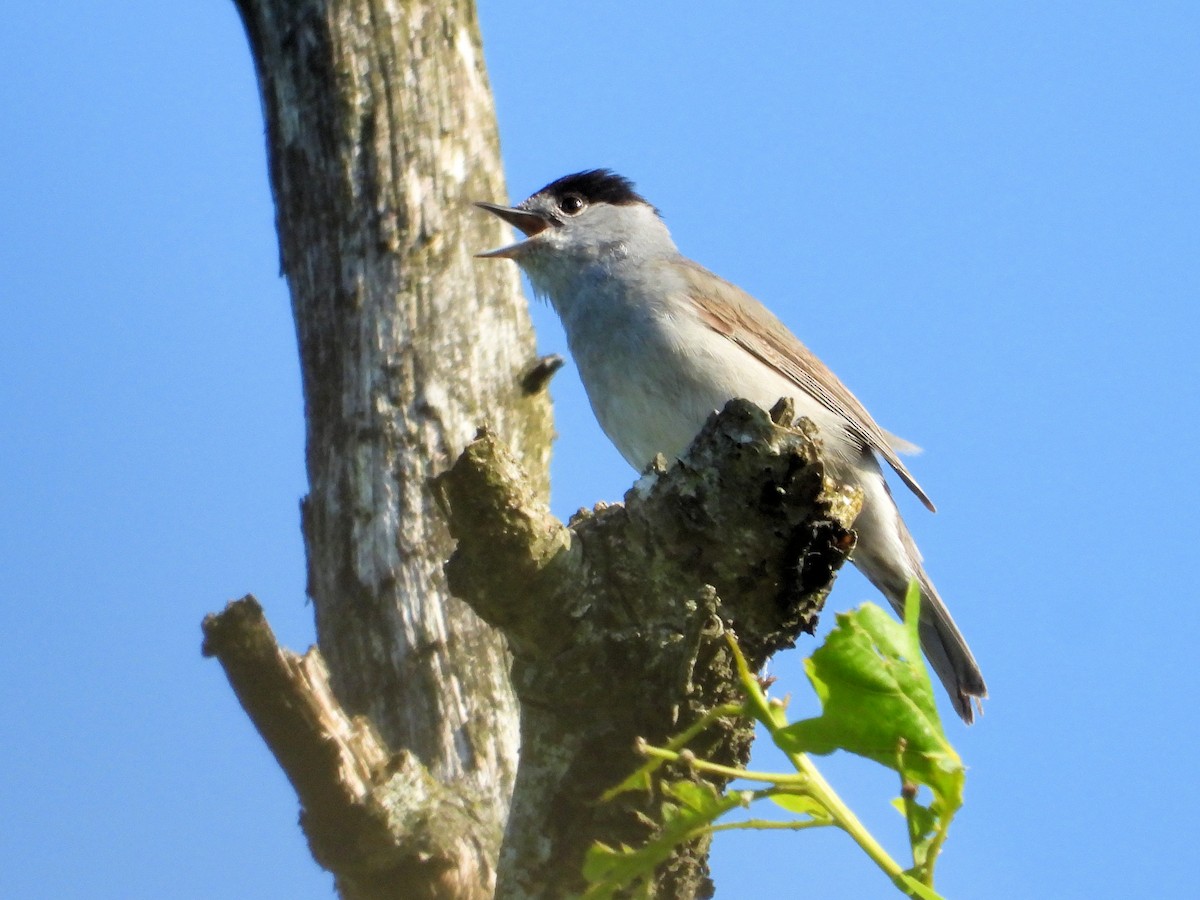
701, 765
771, 825
538, 375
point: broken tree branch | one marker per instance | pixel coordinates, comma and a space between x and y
379, 821
615, 621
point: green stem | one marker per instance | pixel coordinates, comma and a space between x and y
678, 742
823, 792
935, 847
724, 711
790, 779
913, 832
769, 825
819, 789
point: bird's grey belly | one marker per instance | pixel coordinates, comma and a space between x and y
644, 413
653, 393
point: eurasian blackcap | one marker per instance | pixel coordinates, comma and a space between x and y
661, 343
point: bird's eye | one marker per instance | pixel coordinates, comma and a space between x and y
572, 204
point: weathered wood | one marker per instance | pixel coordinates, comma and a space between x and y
380, 131
378, 820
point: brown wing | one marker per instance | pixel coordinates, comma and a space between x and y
730, 311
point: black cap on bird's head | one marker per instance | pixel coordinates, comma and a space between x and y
561, 200
594, 186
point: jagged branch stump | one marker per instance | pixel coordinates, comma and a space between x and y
615, 621
380, 822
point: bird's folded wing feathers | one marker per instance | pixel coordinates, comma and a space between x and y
739, 317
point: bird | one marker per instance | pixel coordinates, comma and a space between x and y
660, 343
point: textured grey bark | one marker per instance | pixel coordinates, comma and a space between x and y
380, 131
617, 622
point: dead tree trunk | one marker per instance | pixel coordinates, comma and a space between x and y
380, 130
400, 734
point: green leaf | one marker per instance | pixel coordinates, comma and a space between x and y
801, 805
878, 702
917, 889
608, 870
699, 800
638, 781
601, 861
923, 827
921, 817
697, 806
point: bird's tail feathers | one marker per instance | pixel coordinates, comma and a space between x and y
947, 651
944, 645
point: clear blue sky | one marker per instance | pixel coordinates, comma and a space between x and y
985, 217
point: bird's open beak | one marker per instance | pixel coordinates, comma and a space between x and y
528, 223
